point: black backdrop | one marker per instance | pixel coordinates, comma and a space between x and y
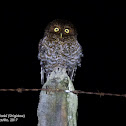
100, 25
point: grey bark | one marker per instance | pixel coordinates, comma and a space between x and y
57, 108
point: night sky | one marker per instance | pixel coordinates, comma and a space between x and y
101, 27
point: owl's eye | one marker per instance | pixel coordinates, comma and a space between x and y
56, 29
66, 30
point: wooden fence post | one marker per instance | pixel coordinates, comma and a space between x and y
58, 108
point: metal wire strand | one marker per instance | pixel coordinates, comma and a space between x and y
20, 90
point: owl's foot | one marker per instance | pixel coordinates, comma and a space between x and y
58, 72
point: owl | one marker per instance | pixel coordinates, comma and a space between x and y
59, 48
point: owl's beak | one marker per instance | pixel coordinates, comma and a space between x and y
61, 35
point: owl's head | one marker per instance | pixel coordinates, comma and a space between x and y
61, 29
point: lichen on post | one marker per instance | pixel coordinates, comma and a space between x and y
57, 107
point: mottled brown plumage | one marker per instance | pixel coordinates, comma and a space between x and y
59, 48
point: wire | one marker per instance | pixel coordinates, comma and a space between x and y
20, 90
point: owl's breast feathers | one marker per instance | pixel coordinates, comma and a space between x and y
57, 53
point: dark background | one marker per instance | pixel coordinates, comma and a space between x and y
101, 27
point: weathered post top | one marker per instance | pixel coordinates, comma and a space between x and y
58, 108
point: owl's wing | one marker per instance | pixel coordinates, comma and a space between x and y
41, 49
76, 54
41, 57
42, 75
